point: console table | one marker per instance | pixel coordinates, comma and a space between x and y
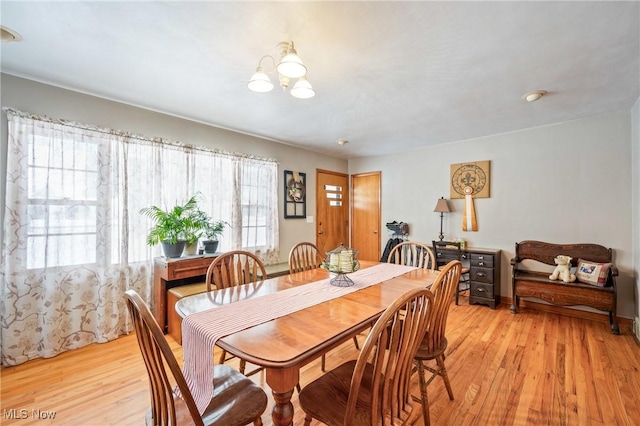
484, 273
168, 273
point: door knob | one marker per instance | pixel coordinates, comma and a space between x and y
320, 232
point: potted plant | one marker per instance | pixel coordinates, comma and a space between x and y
212, 232
171, 226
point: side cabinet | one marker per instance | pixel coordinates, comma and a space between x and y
484, 276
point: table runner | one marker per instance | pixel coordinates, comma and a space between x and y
201, 330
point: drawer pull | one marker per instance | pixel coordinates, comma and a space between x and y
482, 274
481, 257
481, 290
480, 263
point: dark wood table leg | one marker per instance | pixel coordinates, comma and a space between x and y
282, 381
282, 414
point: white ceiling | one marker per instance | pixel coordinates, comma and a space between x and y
389, 76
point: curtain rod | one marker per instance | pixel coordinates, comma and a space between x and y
121, 133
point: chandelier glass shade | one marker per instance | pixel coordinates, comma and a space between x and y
260, 81
302, 89
289, 67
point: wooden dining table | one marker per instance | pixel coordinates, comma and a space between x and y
285, 344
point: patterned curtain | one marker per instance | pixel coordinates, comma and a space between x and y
74, 240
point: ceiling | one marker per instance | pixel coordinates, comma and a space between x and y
389, 76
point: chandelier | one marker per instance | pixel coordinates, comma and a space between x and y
290, 67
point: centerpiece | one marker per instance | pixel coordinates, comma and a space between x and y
340, 262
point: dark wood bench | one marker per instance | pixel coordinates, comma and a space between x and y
530, 283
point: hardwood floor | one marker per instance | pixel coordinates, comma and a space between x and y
533, 368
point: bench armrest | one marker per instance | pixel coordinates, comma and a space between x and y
614, 270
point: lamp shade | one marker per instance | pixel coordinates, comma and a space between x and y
260, 82
442, 206
291, 65
302, 89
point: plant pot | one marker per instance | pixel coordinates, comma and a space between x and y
191, 249
173, 250
210, 246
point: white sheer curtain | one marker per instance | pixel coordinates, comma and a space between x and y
74, 240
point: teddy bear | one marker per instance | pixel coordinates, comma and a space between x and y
563, 271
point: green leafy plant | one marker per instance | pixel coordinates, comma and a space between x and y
196, 223
172, 225
214, 229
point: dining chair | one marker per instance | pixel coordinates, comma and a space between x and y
412, 253
434, 342
235, 268
236, 399
444, 252
303, 257
375, 388
231, 269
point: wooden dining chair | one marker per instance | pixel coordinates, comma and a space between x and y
231, 269
236, 399
412, 253
303, 257
435, 343
446, 251
374, 389
235, 268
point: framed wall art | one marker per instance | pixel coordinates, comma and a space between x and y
475, 175
295, 195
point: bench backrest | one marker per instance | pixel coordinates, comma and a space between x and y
546, 252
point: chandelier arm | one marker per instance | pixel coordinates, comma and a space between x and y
273, 62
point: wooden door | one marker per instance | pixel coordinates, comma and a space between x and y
365, 216
332, 210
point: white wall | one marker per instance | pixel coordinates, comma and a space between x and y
635, 142
37, 98
563, 183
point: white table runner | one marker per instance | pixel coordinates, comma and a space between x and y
201, 330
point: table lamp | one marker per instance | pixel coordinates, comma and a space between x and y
442, 207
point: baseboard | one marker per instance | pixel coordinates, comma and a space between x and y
636, 330
577, 313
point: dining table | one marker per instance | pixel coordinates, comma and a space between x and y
300, 328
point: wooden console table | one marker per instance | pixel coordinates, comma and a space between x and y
169, 273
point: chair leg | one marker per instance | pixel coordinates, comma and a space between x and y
457, 292
355, 342
243, 365
423, 394
222, 357
307, 420
322, 364
258, 421
445, 377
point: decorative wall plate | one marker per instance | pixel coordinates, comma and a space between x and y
474, 175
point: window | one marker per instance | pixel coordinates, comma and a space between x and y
73, 235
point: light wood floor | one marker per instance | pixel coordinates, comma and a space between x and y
531, 368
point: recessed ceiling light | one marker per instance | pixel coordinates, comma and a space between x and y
343, 142
534, 96
8, 34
